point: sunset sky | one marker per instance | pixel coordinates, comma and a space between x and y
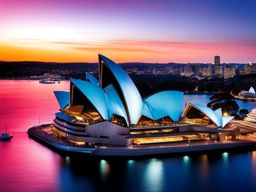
128, 30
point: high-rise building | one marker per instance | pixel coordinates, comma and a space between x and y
218, 71
217, 60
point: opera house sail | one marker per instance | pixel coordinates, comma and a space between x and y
109, 110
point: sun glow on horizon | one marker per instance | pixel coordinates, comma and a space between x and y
76, 31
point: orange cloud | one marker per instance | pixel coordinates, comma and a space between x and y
13, 53
132, 50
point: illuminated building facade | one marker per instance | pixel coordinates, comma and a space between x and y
110, 111
248, 94
207, 71
250, 68
251, 117
248, 124
218, 71
229, 72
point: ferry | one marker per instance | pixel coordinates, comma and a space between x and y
46, 81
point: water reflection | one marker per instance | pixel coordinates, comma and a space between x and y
67, 160
186, 167
253, 154
204, 164
154, 175
186, 159
25, 164
225, 156
104, 169
130, 163
204, 168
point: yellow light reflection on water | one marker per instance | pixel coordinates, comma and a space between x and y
204, 166
254, 163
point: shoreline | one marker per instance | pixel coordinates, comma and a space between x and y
53, 142
186, 92
245, 98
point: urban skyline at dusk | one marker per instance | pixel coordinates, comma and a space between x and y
144, 31
128, 95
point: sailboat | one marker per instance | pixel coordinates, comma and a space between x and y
5, 136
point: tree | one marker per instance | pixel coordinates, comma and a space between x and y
243, 113
226, 102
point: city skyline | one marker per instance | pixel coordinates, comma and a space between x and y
145, 31
128, 95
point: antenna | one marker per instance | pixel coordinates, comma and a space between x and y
5, 128
39, 121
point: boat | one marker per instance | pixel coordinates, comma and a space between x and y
5, 137
46, 81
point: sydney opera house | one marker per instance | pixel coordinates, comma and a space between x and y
109, 110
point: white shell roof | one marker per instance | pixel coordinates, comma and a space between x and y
165, 103
114, 103
94, 94
63, 98
215, 116
89, 77
251, 90
130, 92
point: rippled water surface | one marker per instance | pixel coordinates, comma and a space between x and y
26, 165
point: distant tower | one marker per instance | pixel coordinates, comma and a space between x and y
218, 69
217, 60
